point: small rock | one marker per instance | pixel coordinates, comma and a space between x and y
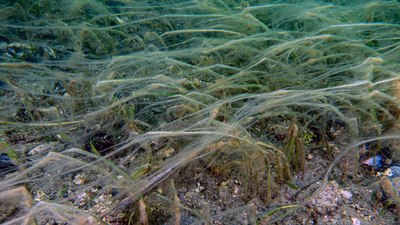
40, 196
81, 179
40, 149
329, 199
355, 221
168, 152
182, 189
199, 188
346, 194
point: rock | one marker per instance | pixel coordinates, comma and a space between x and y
329, 199
40, 149
346, 194
81, 179
355, 221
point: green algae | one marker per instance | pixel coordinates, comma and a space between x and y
186, 83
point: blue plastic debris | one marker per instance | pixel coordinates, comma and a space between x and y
4, 86
377, 161
393, 171
6, 164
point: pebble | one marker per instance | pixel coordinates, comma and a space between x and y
81, 179
355, 221
329, 199
40, 149
346, 194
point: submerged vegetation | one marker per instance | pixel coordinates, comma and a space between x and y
184, 112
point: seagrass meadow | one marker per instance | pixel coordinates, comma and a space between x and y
199, 112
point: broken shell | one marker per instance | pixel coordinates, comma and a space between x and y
40, 149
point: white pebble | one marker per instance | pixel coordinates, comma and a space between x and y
346, 194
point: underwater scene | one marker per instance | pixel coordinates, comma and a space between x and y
186, 112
